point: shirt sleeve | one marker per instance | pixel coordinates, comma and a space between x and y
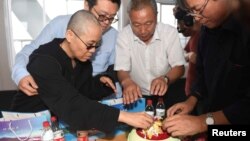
199, 88
239, 112
66, 102
55, 29
95, 89
112, 56
175, 51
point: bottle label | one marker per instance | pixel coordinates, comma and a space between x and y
151, 113
160, 112
59, 139
47, 135
59, 135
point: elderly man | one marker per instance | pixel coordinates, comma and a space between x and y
222, 89
149, 56
104, 11
63, 72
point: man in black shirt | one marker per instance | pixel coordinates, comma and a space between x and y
63, 73
222, 89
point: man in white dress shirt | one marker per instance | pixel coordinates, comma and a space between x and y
149, 56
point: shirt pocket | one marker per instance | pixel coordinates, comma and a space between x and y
161, 64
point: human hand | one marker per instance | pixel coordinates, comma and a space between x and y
179, 108
184, 125
192, 57
159, 86
131, 92
137, 120
28, 85
108, 82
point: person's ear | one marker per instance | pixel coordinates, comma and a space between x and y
69, 35
86, 5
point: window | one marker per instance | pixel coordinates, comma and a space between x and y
166, 16
30, 16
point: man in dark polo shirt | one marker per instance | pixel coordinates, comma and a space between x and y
222, 89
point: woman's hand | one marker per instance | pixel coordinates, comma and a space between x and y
137, 120
183, 107
108, 82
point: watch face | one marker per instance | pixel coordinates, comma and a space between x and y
209, 121
166, 79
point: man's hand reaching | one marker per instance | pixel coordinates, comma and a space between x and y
28, 86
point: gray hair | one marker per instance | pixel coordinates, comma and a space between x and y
80, 20
140, 4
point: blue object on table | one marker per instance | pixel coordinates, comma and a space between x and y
137, 106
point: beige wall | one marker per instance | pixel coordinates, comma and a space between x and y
5, 72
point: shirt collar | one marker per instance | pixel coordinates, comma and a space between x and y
230, 24
61, 51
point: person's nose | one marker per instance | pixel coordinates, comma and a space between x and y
106, 21
92, 50
143, 29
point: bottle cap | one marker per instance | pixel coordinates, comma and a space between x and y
53, 118
160, 99
46, 124
149, 102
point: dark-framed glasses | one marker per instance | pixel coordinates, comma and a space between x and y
198, 13
98, 44
103, 18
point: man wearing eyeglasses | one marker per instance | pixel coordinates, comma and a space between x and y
221, 92
63, 72
104, 10
149, 56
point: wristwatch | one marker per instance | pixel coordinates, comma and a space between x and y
166, 79
210, 119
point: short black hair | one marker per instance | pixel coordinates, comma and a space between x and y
92, 3
182, 4
182, 15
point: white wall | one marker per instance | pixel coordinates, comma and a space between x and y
5, 64
123, 16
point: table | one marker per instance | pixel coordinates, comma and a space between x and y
120, 134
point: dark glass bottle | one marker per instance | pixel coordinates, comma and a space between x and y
57, 131
160, 109
150, 108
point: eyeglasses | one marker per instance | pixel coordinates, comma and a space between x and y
103, 18
198, 13
98, 44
